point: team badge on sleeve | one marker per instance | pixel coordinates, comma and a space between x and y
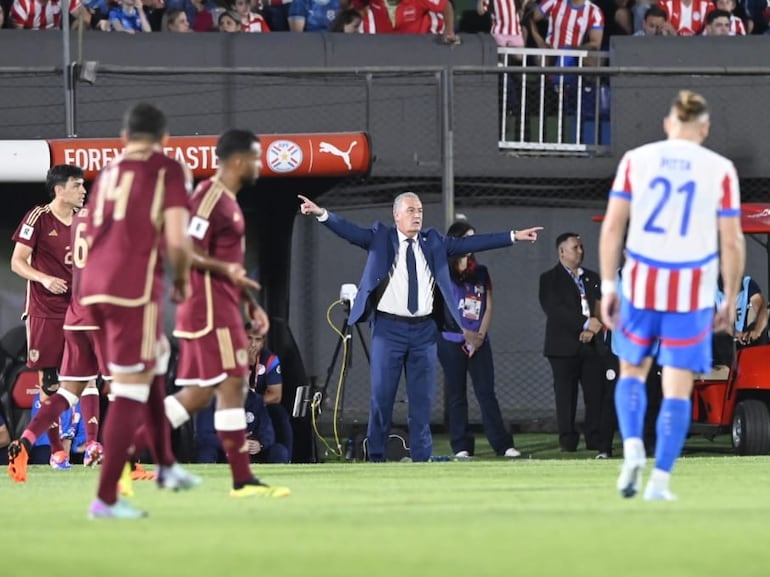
26, 232
198, 227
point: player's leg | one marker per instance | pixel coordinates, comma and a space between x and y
685, 349
90, 409
129, 336
635, 338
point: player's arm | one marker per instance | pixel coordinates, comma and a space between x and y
178, 249
20, 265
610, 249
274, 388
594, 41
253, 311
5, 436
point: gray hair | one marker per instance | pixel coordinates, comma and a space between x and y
401, 197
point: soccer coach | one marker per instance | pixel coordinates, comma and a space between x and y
404, 267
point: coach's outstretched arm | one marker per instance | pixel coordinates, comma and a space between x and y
353, 233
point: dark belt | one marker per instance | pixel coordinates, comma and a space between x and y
408, 320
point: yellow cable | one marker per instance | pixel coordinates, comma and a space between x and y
313, 407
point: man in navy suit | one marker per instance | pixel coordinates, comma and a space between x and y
403, 290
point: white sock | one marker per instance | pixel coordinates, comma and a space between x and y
633, 448
176, 414
230, 420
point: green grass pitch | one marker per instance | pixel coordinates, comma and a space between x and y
525, 518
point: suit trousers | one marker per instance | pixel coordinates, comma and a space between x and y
587, 369
457, 365
399, 346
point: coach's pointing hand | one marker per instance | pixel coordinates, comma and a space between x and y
529, 234
309, 207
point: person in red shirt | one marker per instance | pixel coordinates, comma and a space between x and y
140, 211
426, 17
375, 18
43, 256
45, 14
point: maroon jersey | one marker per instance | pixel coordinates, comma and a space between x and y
49, 239
78, 317
216, 227
125, 225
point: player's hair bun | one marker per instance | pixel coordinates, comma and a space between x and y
690, 106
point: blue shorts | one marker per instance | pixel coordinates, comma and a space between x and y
684, 338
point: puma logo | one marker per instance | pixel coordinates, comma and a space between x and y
344, 155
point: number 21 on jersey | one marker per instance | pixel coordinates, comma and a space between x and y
668, 202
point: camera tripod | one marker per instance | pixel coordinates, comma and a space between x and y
347, 331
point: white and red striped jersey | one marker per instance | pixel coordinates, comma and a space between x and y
37, 15
254, 22
375, 18
737, 27
687, 18
677, 190
569, 24
505, 17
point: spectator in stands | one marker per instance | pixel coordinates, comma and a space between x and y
758, 13
375, 17
656, 23
45, 14
154, 10
100, 13
176, 21
688, 17
312, 15
250, 21
129, 17
229, 21
737, 27
571, 24
506, 22
717, 23
618, 20
200, 13
2, 15
265, 379
427, 17
348, 21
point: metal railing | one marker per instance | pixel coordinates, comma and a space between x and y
553, 113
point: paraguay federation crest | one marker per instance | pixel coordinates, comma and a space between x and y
284, 156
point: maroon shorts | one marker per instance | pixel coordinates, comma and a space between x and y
208, 360
82, 360
45, 342
128, 337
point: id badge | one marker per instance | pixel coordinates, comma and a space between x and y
472, 307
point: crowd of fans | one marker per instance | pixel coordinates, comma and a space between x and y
544, 23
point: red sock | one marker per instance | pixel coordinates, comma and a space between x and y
141, 442
89, 408
234, 444
47, 419
156, 424
124, 418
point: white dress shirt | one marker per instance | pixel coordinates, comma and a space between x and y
394, 299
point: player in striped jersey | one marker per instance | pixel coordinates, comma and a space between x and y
688, 17
681, 204
213, 356
506, 24
45, 14
571, 24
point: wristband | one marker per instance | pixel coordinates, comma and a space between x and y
609, 287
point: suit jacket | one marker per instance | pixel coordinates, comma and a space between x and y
560, 300
381, 241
